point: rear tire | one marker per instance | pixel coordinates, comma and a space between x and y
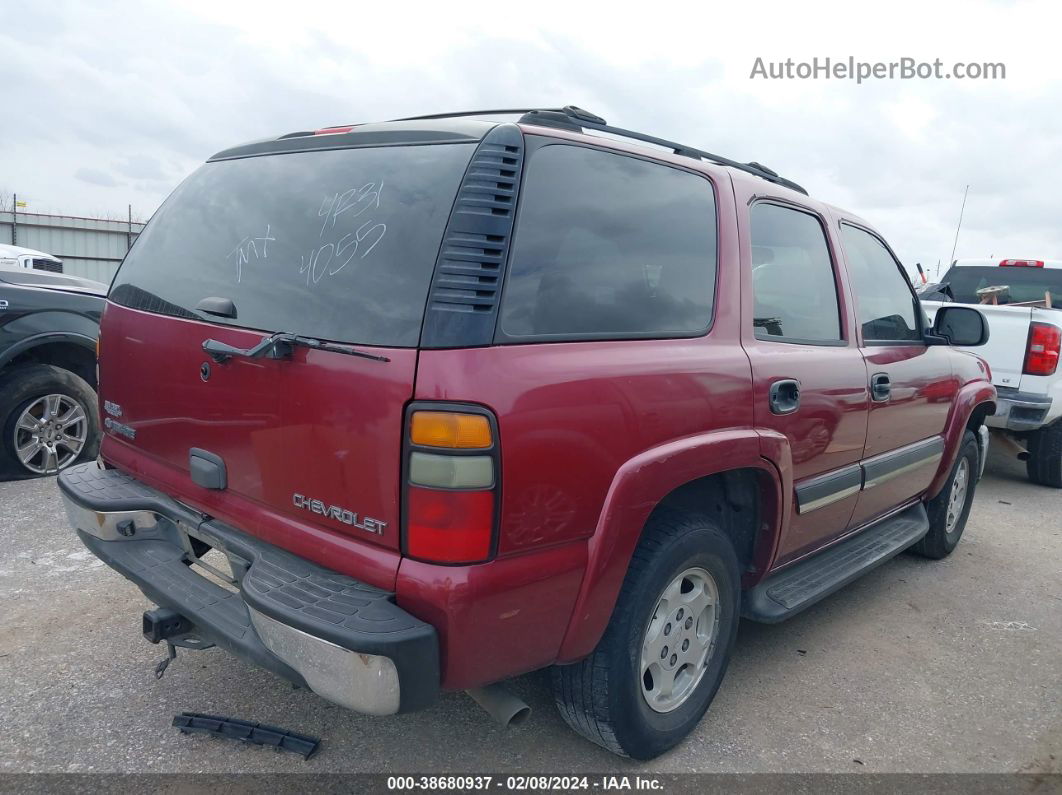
28, 396
682, 562
950, 509
1044, 464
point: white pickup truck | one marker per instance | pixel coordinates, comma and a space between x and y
19, 257
1022, 300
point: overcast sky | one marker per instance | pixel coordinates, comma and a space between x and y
108, 104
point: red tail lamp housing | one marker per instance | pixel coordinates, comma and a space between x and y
445, 526
1021, 263
1042, 350
451, 482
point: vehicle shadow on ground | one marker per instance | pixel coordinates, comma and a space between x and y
867, 674
455, 735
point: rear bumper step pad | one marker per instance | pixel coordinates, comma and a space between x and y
313, 626
803, 584
248, 732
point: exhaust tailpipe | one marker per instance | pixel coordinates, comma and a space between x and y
1012, 446
500, 704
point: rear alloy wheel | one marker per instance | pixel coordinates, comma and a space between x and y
48, 419
666, 648
678, 639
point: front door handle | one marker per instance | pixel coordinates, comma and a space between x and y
880, 387
785, 396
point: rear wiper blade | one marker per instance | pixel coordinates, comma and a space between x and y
310, 342
280, 346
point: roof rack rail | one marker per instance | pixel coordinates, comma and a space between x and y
571, 117
456, 115
497, 112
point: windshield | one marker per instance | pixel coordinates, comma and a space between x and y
338, 245
1023, 284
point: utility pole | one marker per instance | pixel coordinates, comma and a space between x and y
957, 228
14, 219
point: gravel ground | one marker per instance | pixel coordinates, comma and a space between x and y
950, 666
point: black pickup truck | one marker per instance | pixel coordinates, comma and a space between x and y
49, 325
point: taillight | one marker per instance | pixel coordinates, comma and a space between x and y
1021, 263
1041, 353
451, 483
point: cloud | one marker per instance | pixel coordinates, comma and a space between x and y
143, 167
94, 176
155, 93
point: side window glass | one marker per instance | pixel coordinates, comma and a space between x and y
885, 304
793, 284
609, 246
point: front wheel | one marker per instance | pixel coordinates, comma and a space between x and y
1044, 464
665, 651
950, 509
48, 419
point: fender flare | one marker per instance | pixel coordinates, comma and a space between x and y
638, 487
29, 343
967, 400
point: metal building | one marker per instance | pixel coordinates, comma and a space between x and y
88, 247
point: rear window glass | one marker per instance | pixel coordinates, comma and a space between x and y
609, 246
338, 245
1023, 284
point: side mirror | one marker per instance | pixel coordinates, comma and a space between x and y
959, 325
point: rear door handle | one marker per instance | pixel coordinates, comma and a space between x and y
785, 396
880, 387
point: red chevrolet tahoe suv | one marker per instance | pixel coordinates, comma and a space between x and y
421, 405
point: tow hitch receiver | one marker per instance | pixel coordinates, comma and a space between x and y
163, 624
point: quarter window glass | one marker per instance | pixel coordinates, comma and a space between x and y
885, 304
609, 246
793, 286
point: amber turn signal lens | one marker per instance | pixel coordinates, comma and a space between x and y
450, 429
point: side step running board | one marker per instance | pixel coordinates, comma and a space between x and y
793, 589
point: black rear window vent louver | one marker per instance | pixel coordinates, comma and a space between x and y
490, 184
463, 302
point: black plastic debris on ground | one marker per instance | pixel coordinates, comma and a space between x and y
247, 732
